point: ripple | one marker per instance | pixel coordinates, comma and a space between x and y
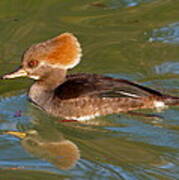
10, 107
168, 67
115, 4
126, 3
167, 34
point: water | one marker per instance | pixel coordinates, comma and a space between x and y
135, 40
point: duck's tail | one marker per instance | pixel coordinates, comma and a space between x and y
171, 100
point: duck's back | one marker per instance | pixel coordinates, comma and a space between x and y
80, 85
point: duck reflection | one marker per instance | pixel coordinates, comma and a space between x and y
61, 152
104, 142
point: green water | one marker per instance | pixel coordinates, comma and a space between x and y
133, 39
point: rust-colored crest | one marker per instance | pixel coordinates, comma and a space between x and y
66, 52
62, 51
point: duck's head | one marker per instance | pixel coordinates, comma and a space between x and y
62, 52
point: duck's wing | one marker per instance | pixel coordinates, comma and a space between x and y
79, 85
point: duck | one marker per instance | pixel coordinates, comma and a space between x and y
80, 96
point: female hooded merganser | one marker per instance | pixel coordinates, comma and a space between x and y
79, 96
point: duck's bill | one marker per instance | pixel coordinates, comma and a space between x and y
20, 72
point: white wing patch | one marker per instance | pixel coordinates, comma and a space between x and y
128, 94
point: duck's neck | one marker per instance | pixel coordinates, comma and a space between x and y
42, 91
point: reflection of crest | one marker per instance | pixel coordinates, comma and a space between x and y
62, 153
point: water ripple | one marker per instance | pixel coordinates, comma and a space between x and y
13, 112
167, 67
126, 3
115, 4
166, 34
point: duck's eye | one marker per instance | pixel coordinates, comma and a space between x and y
33, 63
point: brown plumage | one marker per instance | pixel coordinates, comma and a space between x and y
80, 96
